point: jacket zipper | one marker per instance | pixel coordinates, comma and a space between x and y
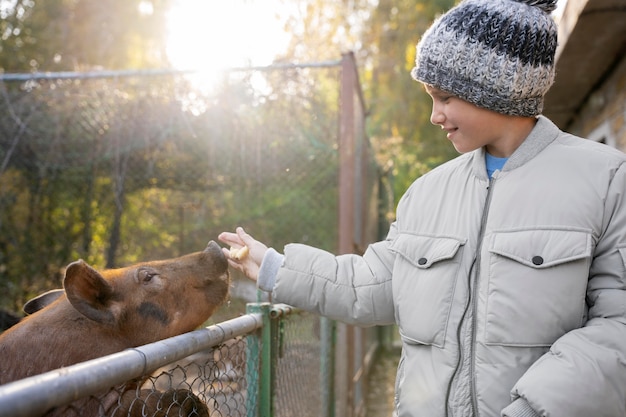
471, 300
481, 235
458, 336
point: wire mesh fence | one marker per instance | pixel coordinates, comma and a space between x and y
116, 170
223, 376
300, 380
211, 382
203, 373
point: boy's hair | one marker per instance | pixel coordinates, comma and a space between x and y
496, 54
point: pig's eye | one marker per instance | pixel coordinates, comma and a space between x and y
146, 276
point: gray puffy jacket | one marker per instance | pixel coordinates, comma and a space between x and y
509, 294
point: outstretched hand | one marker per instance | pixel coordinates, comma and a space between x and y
250, 263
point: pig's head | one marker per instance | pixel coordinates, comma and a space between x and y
153, 300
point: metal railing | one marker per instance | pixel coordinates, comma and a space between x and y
232, 368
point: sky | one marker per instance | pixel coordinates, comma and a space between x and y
208, 34
559, 7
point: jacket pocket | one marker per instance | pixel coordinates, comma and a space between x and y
424, 271
537, 285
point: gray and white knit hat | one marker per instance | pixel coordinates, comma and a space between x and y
496, 54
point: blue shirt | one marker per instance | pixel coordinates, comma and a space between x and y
494, 163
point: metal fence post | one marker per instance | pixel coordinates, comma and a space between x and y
327, 366
346, 241
259, 364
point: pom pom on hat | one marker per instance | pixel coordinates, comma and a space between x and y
547, 6
496, 54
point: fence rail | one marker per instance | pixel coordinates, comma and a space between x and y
27, 397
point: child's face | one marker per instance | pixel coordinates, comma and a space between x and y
468, 127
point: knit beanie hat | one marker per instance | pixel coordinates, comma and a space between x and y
496, 54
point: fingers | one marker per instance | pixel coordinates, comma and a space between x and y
238, 239
254, 252
231, 239
243, 236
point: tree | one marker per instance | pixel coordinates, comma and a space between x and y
383, 36
65, 35
407, 143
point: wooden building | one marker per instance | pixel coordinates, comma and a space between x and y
588, 97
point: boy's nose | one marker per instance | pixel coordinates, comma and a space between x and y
437, 117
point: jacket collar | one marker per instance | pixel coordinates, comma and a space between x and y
543, 134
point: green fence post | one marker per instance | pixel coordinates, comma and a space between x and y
259, 365
327, 366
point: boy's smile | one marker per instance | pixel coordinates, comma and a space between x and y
470, 127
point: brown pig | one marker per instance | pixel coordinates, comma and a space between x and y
102, 312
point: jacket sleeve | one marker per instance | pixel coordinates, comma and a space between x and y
350, 288
584, 373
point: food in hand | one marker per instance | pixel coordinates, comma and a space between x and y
239, 254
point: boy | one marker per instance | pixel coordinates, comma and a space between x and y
505, 269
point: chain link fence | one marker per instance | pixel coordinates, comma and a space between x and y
117, 169
223, 376
210, 383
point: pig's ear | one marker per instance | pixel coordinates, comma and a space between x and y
89, 292
41, 301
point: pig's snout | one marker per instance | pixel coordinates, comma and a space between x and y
215, 252
213, 247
